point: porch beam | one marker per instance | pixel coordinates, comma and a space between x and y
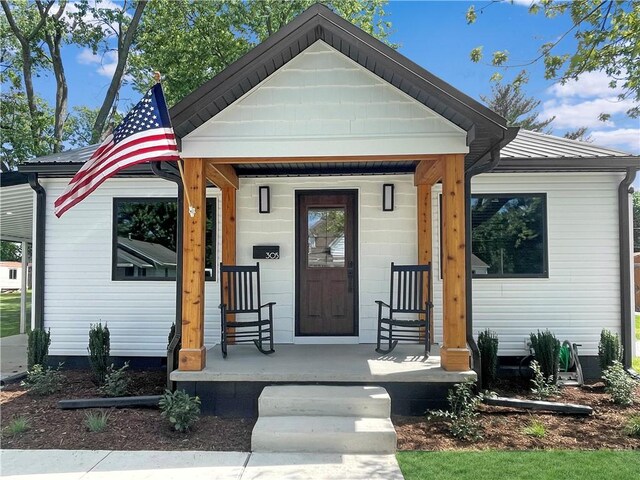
429, 172
425, 236
454, 353
228, 237
322, 159
222, 175
192, 355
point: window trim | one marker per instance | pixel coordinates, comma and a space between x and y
115, 277
545, 237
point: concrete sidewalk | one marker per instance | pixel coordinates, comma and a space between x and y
13, 355
177, 465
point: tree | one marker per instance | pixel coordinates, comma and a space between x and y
190, 42
607, 34
579, 134
509, 101
10, 251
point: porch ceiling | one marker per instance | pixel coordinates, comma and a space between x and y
324, 168
16, 208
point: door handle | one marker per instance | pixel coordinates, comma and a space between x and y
350, 277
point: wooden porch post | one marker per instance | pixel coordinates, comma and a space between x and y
192, 355
228, 235
454, 353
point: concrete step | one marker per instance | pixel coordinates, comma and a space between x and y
324, 434
324, 400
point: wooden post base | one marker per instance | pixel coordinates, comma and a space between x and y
192, 359
455, 359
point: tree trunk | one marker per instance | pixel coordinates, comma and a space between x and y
53, 41
124, 45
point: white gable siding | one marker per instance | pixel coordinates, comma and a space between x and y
78, 286
582, 294
323, 103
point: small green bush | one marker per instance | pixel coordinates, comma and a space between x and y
38, 347
116, 381
180, 408
488, 346
17, 426
619, 384
43, 380
609, 349
99, 347
546, 351
543, 387
535, 429
462, 415
96, 422
632, 428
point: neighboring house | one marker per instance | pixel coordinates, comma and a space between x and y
636, 276
11, 276
324, 115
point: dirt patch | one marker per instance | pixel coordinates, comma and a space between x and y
128, 428
503, 426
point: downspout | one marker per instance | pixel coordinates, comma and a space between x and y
471, 341
173, 348
38, 255
624, 236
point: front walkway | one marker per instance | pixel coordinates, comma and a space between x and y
158, 465
13, 355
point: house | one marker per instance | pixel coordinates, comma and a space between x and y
328, 118
10, 276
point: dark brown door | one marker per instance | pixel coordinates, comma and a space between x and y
326, 263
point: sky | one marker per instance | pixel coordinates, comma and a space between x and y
435, 35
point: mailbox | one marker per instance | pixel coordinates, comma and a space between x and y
266, 252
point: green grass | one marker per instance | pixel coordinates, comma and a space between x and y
17, 426
539, 465
637, 326
10, 313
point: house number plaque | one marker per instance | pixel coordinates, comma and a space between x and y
266, 252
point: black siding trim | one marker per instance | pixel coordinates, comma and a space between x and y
624, 234
38, 299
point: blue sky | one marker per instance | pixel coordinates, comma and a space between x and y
435, 35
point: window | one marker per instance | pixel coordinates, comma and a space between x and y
509, 235
145, 237
13, 274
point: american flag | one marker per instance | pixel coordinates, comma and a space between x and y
144, 135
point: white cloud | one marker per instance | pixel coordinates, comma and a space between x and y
626, 139
524, 3
570, 113
106, 64
108, 30
590, 84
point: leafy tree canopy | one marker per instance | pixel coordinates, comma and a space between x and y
10, 251
607, 34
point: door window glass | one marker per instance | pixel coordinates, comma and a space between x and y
326, 237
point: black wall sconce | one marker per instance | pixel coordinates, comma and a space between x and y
264, 199
388, 193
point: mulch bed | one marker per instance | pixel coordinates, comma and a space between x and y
145, 429
127, 429
503, 426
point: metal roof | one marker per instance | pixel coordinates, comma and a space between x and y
528, 144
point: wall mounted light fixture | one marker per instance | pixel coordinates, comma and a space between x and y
388, 193
264, 199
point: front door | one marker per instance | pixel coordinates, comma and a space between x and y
326, 263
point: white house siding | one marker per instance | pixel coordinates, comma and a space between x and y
323, 103
78, 286
6, 282
582, 294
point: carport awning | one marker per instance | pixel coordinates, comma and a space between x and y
16, 207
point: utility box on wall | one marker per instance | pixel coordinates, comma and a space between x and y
266, 252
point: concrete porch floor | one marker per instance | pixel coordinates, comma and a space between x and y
325, 364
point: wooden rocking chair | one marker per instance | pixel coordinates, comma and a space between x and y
242, 298
408, 297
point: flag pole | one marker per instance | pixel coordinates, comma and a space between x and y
192, 210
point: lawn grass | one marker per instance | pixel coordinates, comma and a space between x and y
638, 326
10, 313
538, 465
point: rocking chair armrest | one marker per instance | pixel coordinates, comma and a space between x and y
381, 303
268, 304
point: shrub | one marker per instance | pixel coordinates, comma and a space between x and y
99, 346
546, 350
96, 422
462, 416
180, 408
38, 347
43, 380
535, 429
619, 384
609, 349
632, 428
488, 346
17, 426
543, 387
116, 381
